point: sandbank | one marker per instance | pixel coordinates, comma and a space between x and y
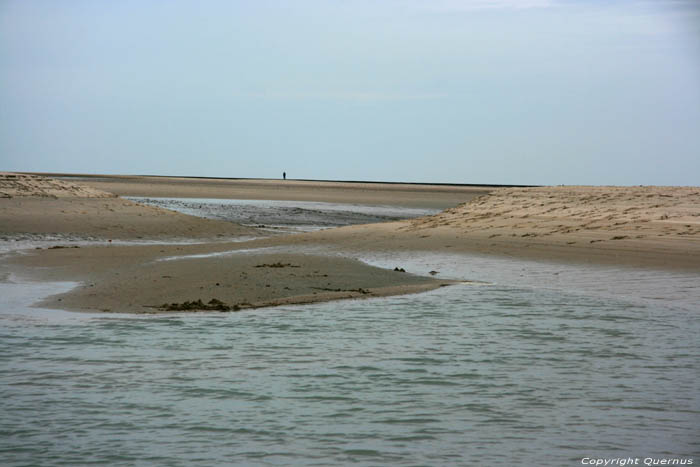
651, 227
145, 278
142, 279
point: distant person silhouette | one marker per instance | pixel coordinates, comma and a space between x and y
284, 175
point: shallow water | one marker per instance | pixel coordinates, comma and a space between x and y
543, 364
285, 216
21, 242
472, 373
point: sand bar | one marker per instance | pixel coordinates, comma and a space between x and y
134, 279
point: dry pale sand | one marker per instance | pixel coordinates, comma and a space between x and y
638, 226
635, 226
14, 185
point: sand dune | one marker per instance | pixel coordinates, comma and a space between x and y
24, 185
603, 213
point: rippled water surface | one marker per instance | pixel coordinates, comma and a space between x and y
542, 364
465, 374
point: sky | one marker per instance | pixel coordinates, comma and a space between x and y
454, 91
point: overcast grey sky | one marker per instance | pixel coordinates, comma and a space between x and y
463, 91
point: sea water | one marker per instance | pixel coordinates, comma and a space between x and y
538, 364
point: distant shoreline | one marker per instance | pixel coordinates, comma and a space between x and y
195, 177
372, 193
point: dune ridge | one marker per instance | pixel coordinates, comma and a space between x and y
25, 185
629, 212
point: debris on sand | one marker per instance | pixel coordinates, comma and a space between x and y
198, 305
398, 269
277, 265
329, 289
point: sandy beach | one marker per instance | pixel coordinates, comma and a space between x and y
235, 267
399, 194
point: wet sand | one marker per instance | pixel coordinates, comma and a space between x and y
653, 227
142, 279
107, 219
122, 278
32, 206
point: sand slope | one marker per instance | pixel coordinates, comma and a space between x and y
22, 185
34, 205
603, 213
635, 226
